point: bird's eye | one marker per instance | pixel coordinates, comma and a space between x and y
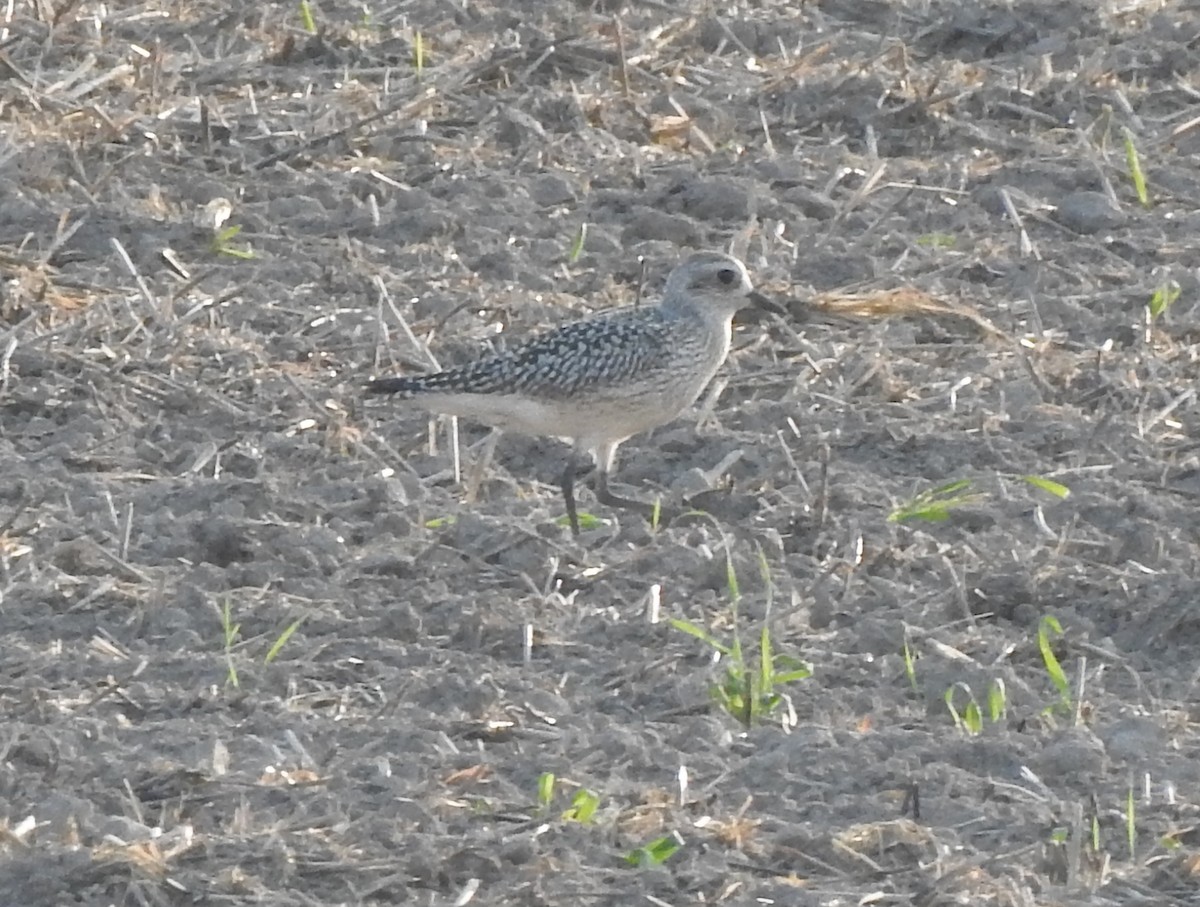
726, 276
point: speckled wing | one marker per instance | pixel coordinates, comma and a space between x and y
612, 349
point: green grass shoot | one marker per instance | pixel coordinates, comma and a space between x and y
910, 665
306, 18
230, 630
936, 504
656, 514
282, 640
583, 807
997, 700
419, 53
1135, 167
1163, 297
970, 719
764, 572
1047, 485
937, 240
221, 243
1049, 629
577, 245
440, 522
731, 580
747, 688
545, 790
586, 520
655, 853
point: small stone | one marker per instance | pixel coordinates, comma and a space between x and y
1089, 212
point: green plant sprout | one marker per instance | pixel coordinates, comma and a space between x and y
937, 240
1047, 627
221, 243
577, 246
545, 790
997, 699
583, 807
655, 853
1163, 297
586, 520
282, 640
935, 505
1048, 485
910, 665
230, 632
306, 18
970, 719
732, 588
419, 54
1135, 168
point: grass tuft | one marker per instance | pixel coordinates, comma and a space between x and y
936, 504
747, 690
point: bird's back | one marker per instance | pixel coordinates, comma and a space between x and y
609, 351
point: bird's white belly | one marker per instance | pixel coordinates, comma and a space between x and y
604, 415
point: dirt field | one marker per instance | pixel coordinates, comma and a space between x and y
259, 646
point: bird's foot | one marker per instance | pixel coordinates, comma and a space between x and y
657, 512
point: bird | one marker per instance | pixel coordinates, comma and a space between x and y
600, 380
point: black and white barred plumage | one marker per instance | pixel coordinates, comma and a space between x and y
609, 349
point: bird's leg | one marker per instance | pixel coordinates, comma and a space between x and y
575, 470
606, 454
658, 513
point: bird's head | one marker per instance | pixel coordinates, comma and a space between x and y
715, 283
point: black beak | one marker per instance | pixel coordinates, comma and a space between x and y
766, 303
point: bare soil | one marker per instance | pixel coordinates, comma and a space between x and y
189, 469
